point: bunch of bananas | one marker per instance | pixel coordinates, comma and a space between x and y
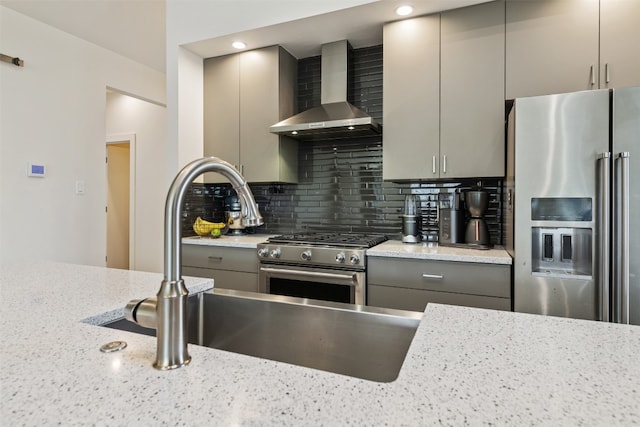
203, 227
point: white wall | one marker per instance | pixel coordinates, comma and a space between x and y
192, 21
127, 115
53, 111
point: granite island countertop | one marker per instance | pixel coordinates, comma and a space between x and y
465, 366
433, 251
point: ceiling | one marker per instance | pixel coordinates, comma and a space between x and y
115, 25
112, 24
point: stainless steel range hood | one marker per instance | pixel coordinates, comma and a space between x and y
335, 118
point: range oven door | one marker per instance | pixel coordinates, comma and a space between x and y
325, 284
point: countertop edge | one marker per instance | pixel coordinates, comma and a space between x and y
250, 241
430, 251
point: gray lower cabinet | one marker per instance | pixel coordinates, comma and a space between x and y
229, 267
409, 284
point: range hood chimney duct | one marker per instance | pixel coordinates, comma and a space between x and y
336, 118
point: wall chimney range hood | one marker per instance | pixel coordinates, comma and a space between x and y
335, 118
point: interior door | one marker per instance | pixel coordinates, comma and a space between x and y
118, 177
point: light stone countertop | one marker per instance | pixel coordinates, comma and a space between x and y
245, 241
432, 251
465, 366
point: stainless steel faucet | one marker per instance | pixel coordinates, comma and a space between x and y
167, 313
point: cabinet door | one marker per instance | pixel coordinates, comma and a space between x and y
221, 111
220, 258
472, 92
442, 276
417, 299
551, 46
244, 94
411, 91
619, 36
223, 279
259, 110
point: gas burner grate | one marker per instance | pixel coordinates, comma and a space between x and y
355, 240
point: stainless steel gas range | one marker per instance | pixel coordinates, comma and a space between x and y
322, 266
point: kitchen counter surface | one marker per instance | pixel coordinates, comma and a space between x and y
465, 366
245, 241
432, 251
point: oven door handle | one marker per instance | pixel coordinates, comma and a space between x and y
312, 274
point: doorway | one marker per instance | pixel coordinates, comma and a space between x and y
119, 208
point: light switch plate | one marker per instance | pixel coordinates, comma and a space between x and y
80, 186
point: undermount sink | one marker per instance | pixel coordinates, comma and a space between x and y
364, 342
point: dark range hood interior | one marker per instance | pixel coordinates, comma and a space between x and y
336, 118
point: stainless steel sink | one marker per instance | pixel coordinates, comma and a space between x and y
363, 342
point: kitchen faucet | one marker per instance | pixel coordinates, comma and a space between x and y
167, 312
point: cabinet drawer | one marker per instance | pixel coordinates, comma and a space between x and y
417, 300
239, 281
442, 276
220, 258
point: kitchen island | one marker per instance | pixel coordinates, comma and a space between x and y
465, 366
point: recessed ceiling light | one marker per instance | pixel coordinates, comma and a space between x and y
404, 10
239, 45
295, 132
351, 128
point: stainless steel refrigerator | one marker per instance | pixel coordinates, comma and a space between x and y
573, 204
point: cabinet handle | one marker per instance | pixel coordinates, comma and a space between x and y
241, 169
433, 164
444, 164
432, 276
593, 76
215, 258
607, 77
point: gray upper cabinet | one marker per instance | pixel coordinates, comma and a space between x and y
570, 45
411, 93
619, 37
444, 95
244, 94
222, 110
472, 86
551, 46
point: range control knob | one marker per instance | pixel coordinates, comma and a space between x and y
263, 252
340, 257
354, 259
306, 255
275, 253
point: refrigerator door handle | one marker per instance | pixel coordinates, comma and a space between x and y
621, 275
604, 219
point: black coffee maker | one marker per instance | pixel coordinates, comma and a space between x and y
476, 201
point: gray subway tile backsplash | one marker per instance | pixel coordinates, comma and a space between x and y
340, 183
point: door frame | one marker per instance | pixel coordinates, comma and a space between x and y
129, 138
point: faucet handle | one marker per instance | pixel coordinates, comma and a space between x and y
142, 312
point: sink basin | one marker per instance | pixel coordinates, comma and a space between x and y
364, 342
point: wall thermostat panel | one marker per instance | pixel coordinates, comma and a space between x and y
36, 169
